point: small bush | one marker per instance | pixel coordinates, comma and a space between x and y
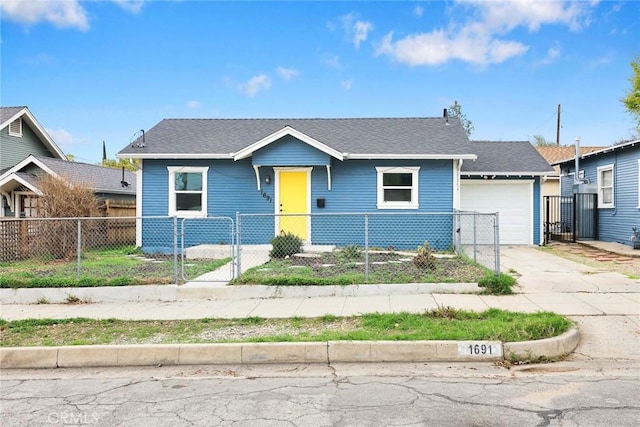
350, 253
425, 259
497, 284
285, 245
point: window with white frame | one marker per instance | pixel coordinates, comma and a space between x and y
397, 187
605, 186
187, 191
15, 127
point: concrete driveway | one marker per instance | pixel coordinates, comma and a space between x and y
540, 272
604, 304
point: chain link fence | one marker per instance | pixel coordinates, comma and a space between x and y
372, 247
357, 247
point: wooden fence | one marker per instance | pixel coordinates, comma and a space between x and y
24, 238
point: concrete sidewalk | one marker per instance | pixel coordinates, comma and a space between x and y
545, 283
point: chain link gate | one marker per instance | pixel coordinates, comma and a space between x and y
209, 239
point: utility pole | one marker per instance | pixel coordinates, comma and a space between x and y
558, 127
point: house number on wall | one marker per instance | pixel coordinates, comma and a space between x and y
266, 197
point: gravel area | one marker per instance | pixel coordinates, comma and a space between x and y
629, 266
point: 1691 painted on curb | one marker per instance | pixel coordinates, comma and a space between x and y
480, 348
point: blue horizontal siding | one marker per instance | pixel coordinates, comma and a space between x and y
232, 188
614, 224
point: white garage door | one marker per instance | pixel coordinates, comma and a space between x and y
511, 199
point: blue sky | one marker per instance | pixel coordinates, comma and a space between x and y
93, 71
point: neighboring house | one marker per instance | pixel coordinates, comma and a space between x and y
507, 178
27, 152
611, 173
554, 154
21, 135
218, 167
19, 184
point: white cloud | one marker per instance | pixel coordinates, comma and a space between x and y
481, 39
357, 31
439, 47
132, 6
553, 53
532, 14
287, 73
256, 84
418, 11
332, 61
362, 29
193, 105
347, 84
61, 137
61, 13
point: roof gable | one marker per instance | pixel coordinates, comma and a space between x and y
287, 130
10, 114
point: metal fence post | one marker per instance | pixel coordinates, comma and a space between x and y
237, 270
79, 248
496, 242
366, 248
175, 250
475, 237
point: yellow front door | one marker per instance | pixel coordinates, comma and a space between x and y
293, 199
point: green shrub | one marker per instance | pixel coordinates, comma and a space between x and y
497, 284
425, 259
285, 245
350, 253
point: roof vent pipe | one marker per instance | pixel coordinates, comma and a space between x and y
445, 114
576, 175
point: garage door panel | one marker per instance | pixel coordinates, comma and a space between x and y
511, 200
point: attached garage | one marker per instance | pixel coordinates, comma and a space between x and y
512, 199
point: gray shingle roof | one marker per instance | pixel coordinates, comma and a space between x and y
211, 137
7, 112
99, 178
505, 157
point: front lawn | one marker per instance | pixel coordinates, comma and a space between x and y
106, 267
347, 267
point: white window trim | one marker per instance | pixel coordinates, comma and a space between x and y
414, 171
19, 133
172, 194
601, 203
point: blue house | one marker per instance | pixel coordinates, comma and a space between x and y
280, 168
612, 174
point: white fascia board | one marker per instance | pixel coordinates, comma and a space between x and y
175, 156
16, 178
510, 174
412, 156
287, 130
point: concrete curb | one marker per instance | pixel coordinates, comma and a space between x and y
301, 352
